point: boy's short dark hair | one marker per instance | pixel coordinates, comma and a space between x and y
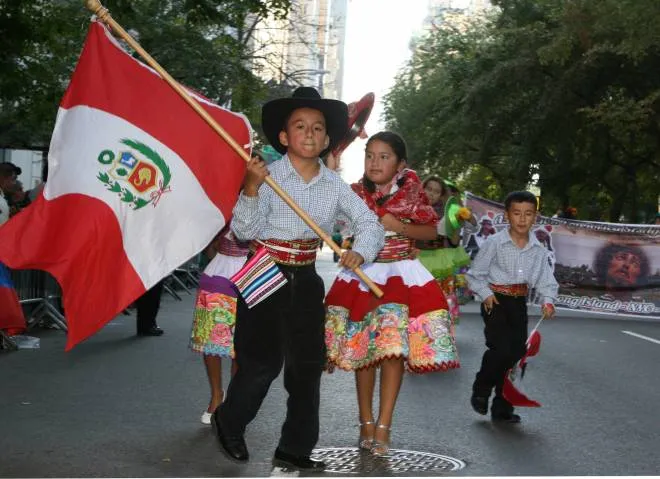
519, 197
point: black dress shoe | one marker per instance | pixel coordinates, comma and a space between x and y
508, 417
306, 463
153, 331
233, 446
479, 404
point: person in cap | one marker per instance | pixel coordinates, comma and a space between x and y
287, 328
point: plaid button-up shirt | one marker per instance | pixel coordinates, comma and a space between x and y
324, 198
500, 261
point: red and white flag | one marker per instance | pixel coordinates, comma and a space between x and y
138, 183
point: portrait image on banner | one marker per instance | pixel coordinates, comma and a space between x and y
600, 267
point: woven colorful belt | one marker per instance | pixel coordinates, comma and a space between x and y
515, 290
396, 248
299, 252
231, 247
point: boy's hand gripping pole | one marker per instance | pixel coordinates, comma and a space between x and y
102, 14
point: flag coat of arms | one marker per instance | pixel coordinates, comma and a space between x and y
138, 184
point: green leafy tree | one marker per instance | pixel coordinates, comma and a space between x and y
201, 43
561, 93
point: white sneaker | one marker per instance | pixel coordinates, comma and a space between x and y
207, 416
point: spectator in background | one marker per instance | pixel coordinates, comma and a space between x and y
12, 320
8, 177
147, 307
657, 219
569, 213
17, 198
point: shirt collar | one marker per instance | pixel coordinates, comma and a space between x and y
324, 172
532, 241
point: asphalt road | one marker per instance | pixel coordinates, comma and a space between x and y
123, 406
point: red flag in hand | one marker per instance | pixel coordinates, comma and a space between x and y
511, 387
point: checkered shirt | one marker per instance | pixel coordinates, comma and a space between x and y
500, 261
324, 198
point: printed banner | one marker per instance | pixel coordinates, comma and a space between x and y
601, 267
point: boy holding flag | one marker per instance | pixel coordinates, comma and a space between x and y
287, 329
507, 265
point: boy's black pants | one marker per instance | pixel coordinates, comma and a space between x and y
506, 335
286, 329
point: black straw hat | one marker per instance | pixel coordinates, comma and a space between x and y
275, 112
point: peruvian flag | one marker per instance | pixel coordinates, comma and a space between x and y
138, 184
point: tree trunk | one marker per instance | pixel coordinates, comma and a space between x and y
633, 215
618, 200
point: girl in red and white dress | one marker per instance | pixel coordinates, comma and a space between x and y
410, 326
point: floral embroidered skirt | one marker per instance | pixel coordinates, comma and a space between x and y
411, 320
214, 317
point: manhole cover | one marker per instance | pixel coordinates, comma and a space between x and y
350, 460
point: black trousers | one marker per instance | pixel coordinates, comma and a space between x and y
288, 328
147, 307
506, 337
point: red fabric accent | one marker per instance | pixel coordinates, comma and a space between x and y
229, 245
533, 346
396, 248
12, 319
109, 79
409, 201
420, 299
97, 279
514, 290
509, 390
516, 397
305, 253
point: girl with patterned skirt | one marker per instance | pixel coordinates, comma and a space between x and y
410, 326
443, 256
215, 312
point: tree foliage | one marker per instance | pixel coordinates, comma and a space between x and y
564, 94
204, 44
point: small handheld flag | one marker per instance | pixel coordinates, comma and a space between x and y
511, 386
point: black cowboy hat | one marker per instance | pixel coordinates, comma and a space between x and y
275, 112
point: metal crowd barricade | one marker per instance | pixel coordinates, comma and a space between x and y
6, 342
38, 292
185, 277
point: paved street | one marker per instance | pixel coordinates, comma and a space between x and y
123, 406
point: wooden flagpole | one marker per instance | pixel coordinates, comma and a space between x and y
102, 14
